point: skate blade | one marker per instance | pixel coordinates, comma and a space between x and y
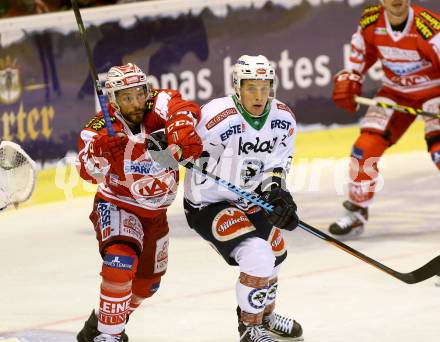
279, 338
352, 235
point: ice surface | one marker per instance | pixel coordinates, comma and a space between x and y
50, 271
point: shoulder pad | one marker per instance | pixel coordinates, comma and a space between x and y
286, 108
370, 15
98, 122
427, 24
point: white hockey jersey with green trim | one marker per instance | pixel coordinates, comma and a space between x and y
238, 151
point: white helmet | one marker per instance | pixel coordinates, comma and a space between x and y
123, 77
252, 68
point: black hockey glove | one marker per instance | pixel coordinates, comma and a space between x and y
157, 145
284, 212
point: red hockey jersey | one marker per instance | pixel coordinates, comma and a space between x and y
410, 59
147, 188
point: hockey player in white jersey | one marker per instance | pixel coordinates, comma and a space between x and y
248, 140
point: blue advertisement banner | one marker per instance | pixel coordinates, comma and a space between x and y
47, 96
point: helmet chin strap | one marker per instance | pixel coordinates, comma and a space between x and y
116, 108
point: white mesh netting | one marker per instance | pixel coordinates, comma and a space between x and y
17, 174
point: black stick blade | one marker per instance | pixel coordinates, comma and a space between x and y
427, 271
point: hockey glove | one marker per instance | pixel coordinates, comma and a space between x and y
157, 145
111, 148
284, 212
180, 131
347, 85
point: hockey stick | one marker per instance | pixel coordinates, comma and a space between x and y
370, 102
428, 270
98, 87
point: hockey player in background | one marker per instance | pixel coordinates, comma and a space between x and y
129, 212
248, 140
406, 39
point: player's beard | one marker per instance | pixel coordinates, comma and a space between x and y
135, 117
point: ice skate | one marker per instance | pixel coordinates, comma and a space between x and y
90, 333
253, 333
282, 328
352, 223
107, 338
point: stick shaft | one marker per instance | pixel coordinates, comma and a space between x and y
98, 88
428, 270
405, 109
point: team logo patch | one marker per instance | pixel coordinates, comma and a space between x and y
370, 15
361, 192
108, 220
436, 157
406, 68
236, 129
220, 117
132, 167
161, 255
281, 124
272, 292
433, 22
121, 262
367, 21
424, 30
394, 53
357, 153
376, 117
230, 223
276, 240
131, 226
381, 31
98, 123
250, 171
154, 287
257, 298
256, 146
155, 190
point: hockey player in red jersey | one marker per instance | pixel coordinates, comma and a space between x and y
134, 191
406, 39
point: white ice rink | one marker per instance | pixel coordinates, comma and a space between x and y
49, 274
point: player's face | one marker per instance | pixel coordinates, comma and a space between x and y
254, 95
397, 8
131, 103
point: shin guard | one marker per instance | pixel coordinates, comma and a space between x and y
142, 289
119, 267
364, 173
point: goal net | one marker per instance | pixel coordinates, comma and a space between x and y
17, 174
